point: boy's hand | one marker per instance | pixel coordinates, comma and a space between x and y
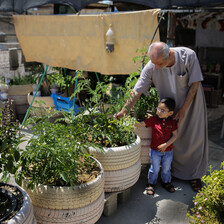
162, 147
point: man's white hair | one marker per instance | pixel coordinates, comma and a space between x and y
164, 51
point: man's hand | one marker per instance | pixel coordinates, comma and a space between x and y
119, 115
162, 147
131, 101
179, 116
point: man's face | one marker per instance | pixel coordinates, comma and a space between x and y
159, 62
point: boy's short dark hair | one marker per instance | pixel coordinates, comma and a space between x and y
170, 103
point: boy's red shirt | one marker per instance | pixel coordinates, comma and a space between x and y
161, 130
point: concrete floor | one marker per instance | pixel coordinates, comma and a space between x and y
165, 207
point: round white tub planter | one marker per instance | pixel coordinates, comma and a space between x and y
122, 165
145, 135
80, 204
26, 214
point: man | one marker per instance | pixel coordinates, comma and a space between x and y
176, 74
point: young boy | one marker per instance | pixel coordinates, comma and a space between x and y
164, 133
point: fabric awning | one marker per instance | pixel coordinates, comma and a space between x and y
78, 41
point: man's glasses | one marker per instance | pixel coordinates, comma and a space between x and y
162, 110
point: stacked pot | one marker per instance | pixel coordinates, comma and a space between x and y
122, 165
74, 205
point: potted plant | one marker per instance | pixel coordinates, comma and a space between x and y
15, 204
121, 147
64, 182
19, 87
208, 203
55, 81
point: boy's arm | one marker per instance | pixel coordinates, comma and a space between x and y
163, 146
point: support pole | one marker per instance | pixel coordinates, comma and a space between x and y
76, 81
171, 27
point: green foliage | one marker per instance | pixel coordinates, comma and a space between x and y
147, 102
24, 80
54, 155
10, 138
100, 125
35, 73
62, 79
209, 202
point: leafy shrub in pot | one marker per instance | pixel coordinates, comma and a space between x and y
55, 163
121, 156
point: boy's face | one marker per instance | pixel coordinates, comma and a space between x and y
163, 111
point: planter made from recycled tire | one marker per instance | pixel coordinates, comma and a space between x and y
117, 158
25, 215
119, 180
89, 214
67, 204
117, 162
145, 135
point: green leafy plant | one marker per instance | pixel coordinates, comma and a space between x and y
10, 138
100, 125
209, 202
61, 79
148, 102
55, 155
24, 80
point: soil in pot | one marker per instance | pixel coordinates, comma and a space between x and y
11, 201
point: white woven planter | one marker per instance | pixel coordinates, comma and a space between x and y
122, 179
117, 158
89, 214
54, 204
145, 135
121, 165
57, 197
25, 215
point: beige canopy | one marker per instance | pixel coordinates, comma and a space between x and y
79, 41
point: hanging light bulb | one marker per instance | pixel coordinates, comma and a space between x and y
110, 40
